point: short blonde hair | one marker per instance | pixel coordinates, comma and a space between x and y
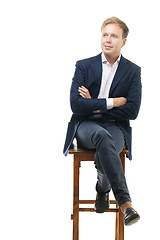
120, 23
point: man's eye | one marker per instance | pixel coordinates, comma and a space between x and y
114, 36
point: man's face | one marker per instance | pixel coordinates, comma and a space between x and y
112, 40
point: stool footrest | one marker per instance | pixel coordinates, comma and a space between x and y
93, 201
116, 210
92, 210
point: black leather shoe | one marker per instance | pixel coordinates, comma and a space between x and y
130, 216
102, 202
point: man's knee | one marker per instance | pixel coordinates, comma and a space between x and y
101, 135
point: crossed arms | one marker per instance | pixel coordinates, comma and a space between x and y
125, 107
84, 92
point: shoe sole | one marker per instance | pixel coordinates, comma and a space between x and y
100, 210
132, 221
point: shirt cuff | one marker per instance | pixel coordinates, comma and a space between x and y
109, 102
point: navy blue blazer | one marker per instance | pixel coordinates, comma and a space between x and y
126, 83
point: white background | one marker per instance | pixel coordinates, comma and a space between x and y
40, 41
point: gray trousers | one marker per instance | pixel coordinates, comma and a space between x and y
108, 140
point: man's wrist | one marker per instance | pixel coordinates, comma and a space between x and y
114, 102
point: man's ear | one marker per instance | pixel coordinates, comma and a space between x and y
124, 42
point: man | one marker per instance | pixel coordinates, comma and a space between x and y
105, 95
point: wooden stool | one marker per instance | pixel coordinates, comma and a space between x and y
88, 155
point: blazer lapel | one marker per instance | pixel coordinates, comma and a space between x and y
118, 75
96, 66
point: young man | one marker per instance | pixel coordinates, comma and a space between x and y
105, 95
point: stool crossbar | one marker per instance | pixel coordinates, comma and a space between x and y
88, 155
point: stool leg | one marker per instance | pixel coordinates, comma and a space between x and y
76, 198
121, 225
117, 225
121, 215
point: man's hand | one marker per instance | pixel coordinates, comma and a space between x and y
118, 102
84, 92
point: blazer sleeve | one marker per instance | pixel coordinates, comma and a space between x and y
130, 110
80, 105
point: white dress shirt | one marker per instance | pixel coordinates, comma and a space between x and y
108, 73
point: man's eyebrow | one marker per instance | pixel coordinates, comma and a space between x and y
112, 33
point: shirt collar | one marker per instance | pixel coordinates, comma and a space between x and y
104, 60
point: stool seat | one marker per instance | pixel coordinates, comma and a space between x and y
88, 155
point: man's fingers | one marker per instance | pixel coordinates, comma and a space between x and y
82, 95
84, 92
83, 89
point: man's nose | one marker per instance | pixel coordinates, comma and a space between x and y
108, 38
